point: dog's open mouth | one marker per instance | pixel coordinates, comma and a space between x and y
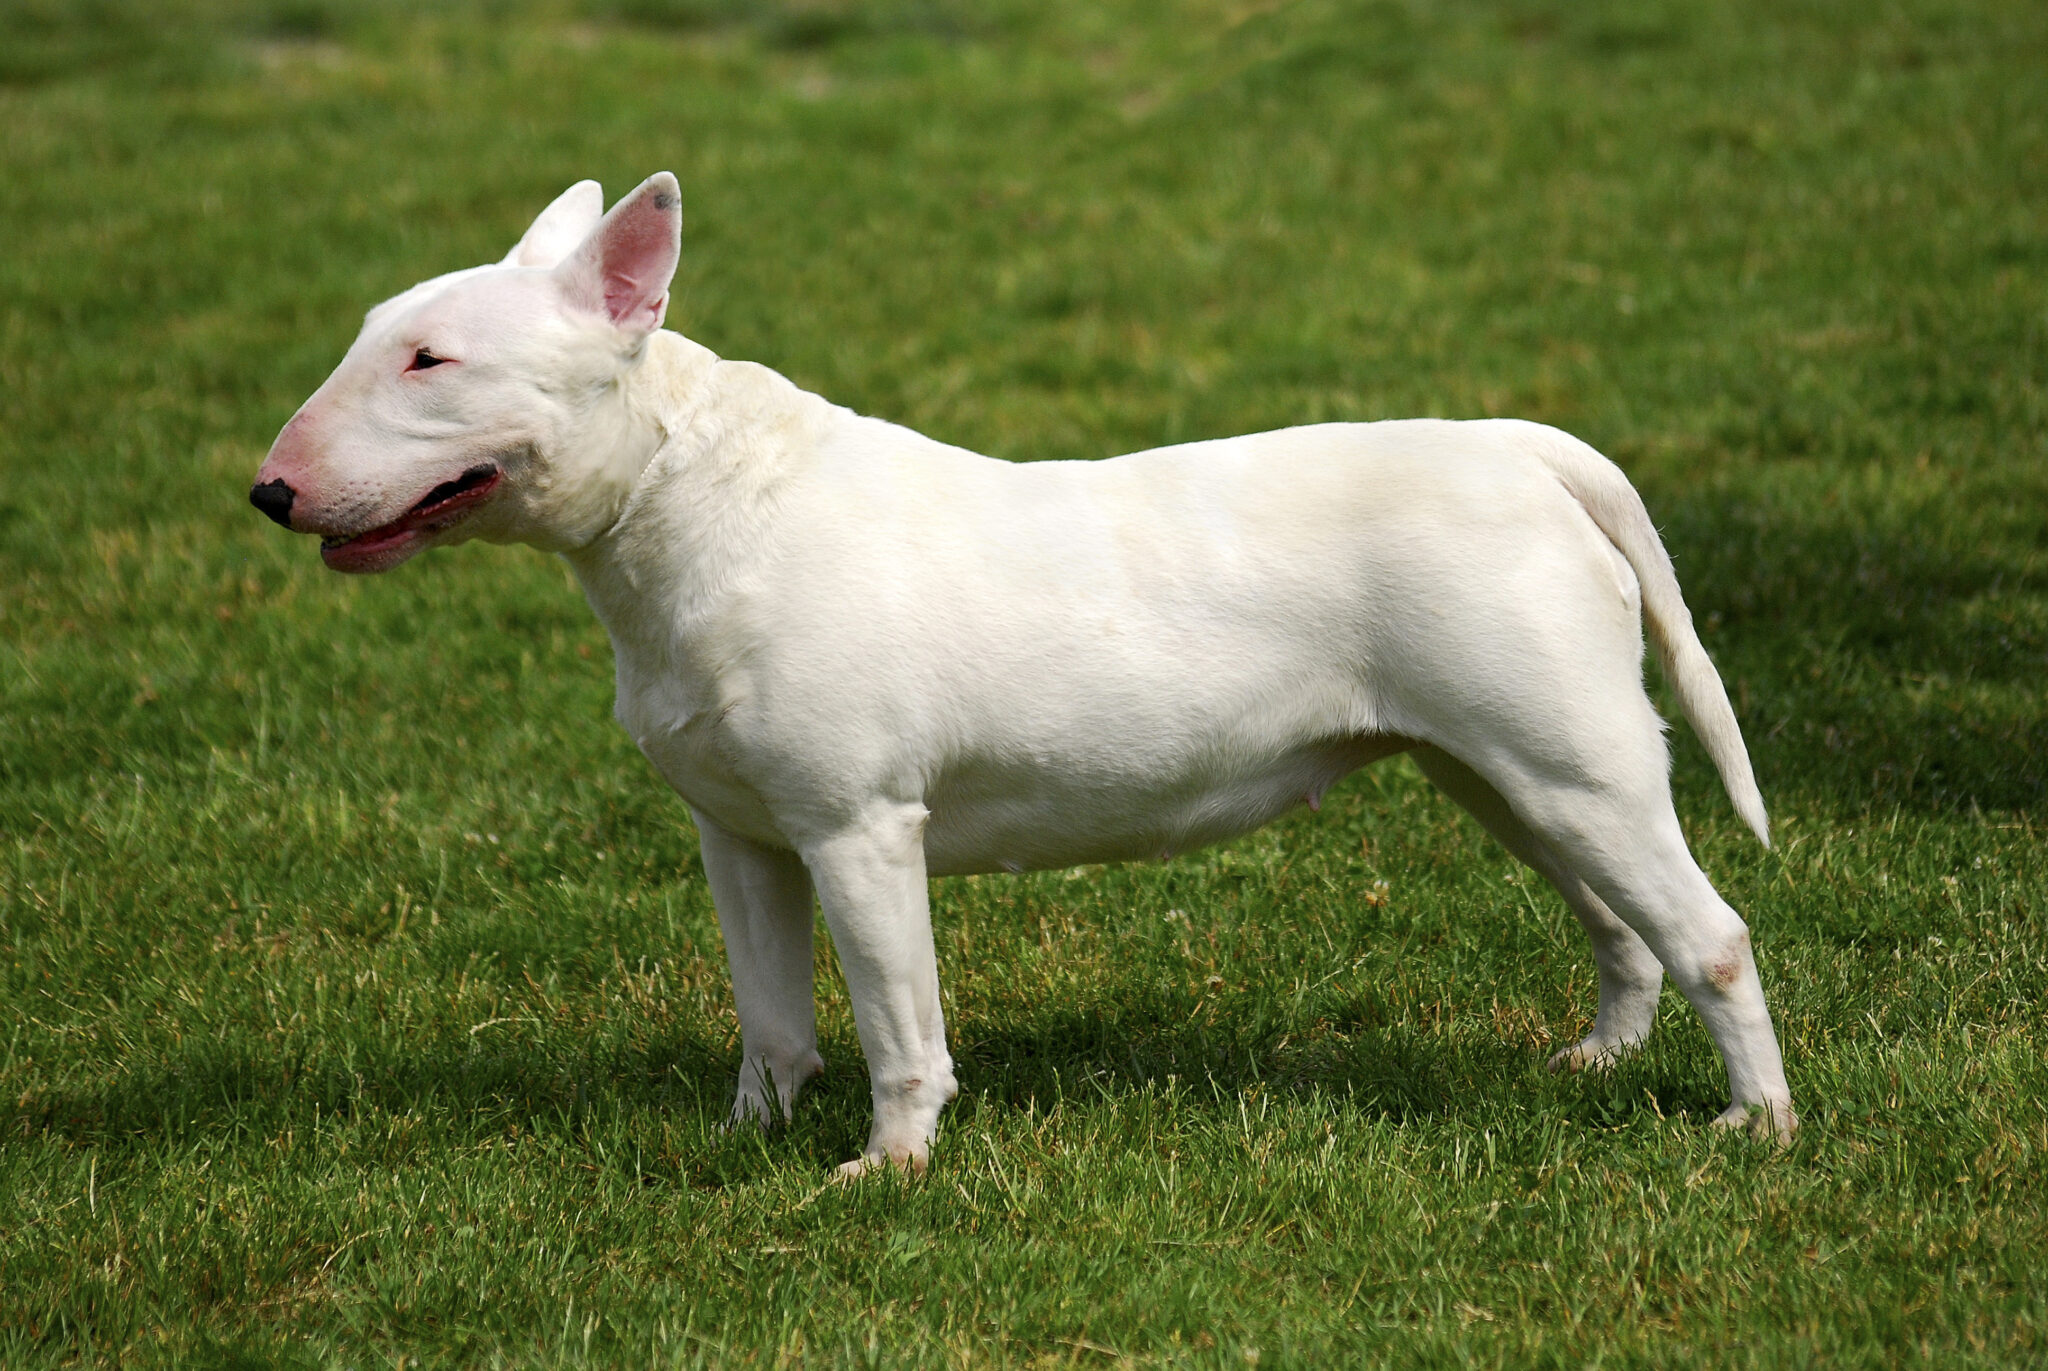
388, 544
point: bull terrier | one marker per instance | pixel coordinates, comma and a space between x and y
864, 657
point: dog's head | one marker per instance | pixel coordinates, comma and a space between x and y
484, 403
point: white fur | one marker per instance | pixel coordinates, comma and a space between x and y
865, 657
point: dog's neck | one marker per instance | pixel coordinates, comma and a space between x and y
712, 442
651, 431
667, 384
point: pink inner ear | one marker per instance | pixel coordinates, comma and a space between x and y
638, 257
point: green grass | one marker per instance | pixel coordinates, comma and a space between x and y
360, 998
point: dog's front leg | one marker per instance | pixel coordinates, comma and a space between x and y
764, 909
871, 884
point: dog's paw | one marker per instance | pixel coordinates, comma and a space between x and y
754, 1109
911, 1162
769, 1089
1772, 1122
1591, 1054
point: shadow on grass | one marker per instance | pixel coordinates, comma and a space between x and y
1083, 1055
1398, 1071
232, 1091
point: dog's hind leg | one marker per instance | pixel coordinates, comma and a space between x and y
764, 906
1602, 803
1630, 975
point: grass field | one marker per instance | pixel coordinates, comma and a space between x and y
362, 1001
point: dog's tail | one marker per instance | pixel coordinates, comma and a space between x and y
1605, 494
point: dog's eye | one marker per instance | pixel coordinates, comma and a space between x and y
423, 359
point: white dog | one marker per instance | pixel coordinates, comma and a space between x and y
865, 658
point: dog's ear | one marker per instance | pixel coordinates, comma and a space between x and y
622, 270
560, 227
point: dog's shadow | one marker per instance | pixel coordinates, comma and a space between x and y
672, 1094
658, 1105
473, 1091
1401, 1072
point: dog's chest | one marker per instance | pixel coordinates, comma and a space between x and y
683, 736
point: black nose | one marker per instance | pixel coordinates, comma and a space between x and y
275, 499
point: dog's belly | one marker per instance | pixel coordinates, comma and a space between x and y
1025, 818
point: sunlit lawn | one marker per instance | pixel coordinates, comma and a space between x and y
362, 998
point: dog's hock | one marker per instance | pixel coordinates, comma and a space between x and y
1726, 969
623, 268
